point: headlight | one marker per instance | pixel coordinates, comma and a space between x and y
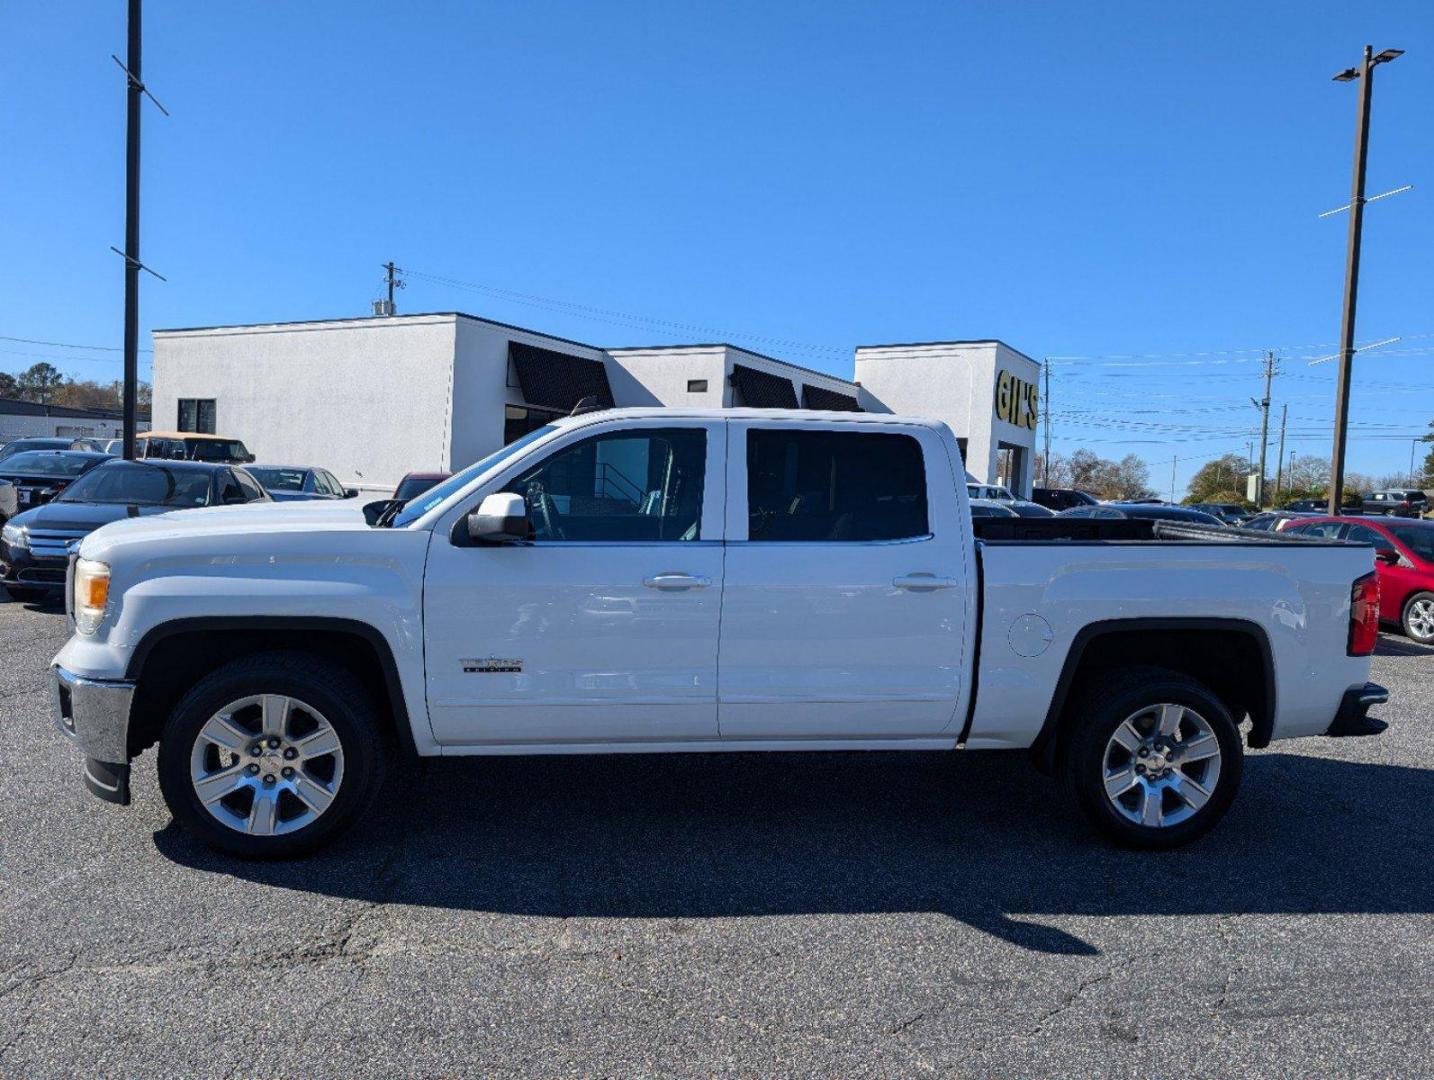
17, 536
92, 593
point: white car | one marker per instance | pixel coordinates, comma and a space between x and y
990, 492
647, 580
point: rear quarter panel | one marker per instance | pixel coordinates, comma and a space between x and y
1299, 595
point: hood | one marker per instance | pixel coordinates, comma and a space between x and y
80, 517
215, 523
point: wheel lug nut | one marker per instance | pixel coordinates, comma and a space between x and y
288, 772
269, 780
253, 769
256, 750
290, 754
273, 742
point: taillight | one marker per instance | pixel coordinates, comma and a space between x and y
1364, 616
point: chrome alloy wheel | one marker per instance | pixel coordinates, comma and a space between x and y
1161, 765
1420, 619
266, 765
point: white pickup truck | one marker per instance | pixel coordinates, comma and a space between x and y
658, 580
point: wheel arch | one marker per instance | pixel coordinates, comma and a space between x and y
1231, 656
173, 655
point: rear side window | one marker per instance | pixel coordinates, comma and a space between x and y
1363, 534
834, 486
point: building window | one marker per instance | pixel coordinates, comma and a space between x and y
697, 386
197, 415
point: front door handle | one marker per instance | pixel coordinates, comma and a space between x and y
923, 582
674, 582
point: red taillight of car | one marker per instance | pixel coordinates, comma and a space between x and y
1364, 616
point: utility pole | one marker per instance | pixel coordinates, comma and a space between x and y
132, 264
1046, 465
1173, 463
393, 281
1280, 466
1264, 406
1365, 74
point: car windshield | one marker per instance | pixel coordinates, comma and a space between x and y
133, 483
413, 486
26, 445
49, 463
416, 508
1419, 539
280, 479
217, 449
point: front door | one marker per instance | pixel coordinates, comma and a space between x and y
846, 598
604, 627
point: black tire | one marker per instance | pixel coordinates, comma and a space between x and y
22, 595
330, 689
1105, 704
1405, 618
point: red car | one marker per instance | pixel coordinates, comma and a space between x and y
416, 483
1404, 560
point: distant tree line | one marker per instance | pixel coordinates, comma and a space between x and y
44, 384
1085, 470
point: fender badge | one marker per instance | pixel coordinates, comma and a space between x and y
491, 666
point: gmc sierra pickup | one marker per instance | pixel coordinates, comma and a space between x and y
651, 580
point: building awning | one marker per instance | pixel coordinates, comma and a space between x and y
762, 389
814, 397
558, 381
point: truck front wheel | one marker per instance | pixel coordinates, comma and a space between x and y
271, 755
1154, 758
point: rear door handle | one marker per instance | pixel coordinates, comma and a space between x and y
673, 582
923, 582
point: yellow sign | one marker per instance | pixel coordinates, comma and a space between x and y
1016, 400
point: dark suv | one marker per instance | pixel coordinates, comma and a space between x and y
1059, 499
1396, 502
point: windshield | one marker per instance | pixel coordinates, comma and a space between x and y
21, 447
134, 484
416, 508
217, 450
1419, 539
49, 463
279, 479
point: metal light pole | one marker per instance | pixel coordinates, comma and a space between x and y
1365, 74
131, 232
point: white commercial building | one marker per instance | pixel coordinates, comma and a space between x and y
373, 398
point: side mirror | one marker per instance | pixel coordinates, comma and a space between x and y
351, 493
502, 518
1388, 556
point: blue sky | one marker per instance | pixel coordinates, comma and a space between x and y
1133, 183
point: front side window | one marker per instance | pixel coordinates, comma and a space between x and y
1419, 539
834, 486
252, 491
1363, 534
623, 486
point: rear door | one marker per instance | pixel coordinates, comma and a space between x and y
604, 627
844, 611
1397, 579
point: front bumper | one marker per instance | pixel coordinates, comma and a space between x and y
1353, 718
94, 715
20, 568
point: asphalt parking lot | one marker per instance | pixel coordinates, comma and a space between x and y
765, 915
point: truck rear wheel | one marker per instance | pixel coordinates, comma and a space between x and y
1154, 758
271, 755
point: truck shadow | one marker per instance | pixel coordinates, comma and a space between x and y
984, 839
